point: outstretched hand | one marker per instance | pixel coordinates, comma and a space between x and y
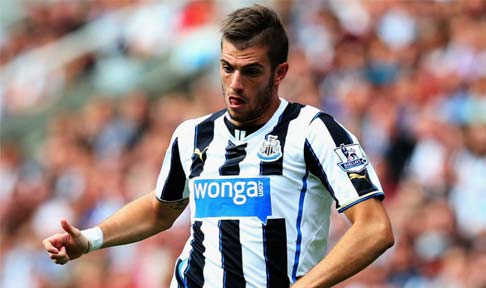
66, 246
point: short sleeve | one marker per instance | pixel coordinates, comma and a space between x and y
171, 182
335, 156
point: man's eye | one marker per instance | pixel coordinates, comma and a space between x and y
227, 69
252, 72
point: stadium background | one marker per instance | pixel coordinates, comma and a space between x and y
90, 92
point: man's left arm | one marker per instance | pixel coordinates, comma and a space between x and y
368, 237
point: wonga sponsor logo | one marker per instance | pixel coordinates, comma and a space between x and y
232, 197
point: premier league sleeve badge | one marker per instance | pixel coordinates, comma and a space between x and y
352, 158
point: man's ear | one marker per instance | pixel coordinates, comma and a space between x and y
280, 72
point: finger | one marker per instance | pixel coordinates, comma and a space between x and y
56, 256
70, 229
60, 258
56, 241
49, 247
61, 262
63, 252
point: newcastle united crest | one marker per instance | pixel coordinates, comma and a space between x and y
270, 149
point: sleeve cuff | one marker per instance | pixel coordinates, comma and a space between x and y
375, 194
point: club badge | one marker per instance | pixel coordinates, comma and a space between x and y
270, 149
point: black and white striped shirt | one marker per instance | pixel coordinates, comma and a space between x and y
260, 202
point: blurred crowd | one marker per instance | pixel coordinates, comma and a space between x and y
42, 24
408, 78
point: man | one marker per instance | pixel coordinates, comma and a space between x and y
260, 178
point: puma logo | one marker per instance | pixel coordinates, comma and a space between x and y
200, 153
356, 176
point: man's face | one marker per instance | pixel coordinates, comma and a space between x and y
248, 84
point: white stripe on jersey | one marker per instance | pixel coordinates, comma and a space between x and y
252, 252
213, 255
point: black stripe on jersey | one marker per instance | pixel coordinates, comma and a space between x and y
229, 230
280, 130
175, 182
203, 136
275, 251
234, 155
338, 134
314, 165
231, 255
193, 275
362, 182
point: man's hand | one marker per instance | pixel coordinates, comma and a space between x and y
66, 246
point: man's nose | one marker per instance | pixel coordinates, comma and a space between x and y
236, 83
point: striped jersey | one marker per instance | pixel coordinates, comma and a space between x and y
261, 202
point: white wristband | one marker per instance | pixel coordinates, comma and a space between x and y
95, 238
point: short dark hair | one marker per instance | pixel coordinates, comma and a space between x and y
257, 25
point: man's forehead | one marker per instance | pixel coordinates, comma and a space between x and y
232, 53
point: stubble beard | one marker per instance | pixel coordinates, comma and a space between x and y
264, 101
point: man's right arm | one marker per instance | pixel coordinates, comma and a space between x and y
139, 219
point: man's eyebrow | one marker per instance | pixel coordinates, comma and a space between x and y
224, 62
251, 65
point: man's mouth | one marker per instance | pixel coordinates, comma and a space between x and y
235, 101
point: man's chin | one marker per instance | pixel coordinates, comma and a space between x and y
236, 116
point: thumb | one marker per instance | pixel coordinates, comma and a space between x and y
70, 229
